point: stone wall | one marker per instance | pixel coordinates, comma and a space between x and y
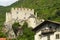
20, 15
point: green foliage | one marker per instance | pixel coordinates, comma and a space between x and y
2, 35
27, 33
58, 13
46, 9
16, 25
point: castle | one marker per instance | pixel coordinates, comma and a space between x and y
19, 15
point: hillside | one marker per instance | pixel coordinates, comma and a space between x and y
46, 9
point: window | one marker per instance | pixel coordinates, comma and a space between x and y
16, 18
17, 12
24, 17
57, 36
40, 36
48, 37
34, 22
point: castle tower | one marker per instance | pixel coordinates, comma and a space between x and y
32, 21
8, 17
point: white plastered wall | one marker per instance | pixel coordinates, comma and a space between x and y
52, 36
37, 37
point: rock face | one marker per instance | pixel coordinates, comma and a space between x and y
19, 15
13, 31
11, 34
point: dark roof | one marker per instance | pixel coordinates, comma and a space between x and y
40, 25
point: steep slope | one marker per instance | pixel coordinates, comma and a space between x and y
47, 9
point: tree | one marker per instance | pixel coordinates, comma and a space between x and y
27, 33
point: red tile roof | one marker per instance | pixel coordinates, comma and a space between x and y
2, 38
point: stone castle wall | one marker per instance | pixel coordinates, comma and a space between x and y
20, 15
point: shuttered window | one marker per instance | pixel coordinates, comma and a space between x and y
57, 36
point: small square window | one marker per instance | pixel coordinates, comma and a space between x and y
17, 12
16, 18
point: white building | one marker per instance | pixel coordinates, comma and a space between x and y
47, 30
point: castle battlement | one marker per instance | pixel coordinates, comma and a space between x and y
22, 9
